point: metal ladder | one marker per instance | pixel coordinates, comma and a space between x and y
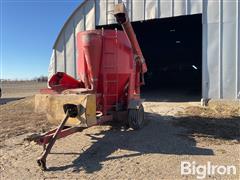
107, 70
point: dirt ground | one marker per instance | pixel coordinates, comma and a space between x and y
174, 132
12, 91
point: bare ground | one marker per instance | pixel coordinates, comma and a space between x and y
12, 91
174, 132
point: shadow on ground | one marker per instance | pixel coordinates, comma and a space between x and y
216, 128
161, 135
170, 95
7, 100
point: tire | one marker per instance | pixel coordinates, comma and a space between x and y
136, 118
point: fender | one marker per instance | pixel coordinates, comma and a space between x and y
135, 103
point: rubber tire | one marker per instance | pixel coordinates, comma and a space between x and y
136, 118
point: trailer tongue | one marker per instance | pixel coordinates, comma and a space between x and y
110, 67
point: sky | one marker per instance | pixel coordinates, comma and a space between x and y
28, 32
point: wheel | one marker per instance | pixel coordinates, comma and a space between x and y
136, 118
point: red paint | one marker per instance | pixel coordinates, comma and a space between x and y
61, 81
105, 66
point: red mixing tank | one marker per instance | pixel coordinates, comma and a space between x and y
106, 67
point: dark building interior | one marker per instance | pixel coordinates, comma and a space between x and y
172, 48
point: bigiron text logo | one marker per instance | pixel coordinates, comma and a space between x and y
204, 170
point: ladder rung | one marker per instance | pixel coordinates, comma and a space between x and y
110, 37
107, 52
110, 95
114, 105
109, 67
111, 81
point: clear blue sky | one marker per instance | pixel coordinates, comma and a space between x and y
28, 32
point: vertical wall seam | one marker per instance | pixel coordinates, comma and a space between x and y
205, 74
203, 55
74, 49
95, 12
131, 10
220, 49
55, 61
106, 1
144, 9
203, 63
186, 7
172, 8
94, 6
127, 4
237, 50
189, 7
159, 6
64, 51
84, 19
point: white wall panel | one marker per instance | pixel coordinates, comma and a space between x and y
60, 54
79, 25
180, 7
138, 10
89, 11
194, 6
52, 65
213, 60
213, 9
238, 51
229, 27
229, 11
101, 12
110, 11
222, 48
79, 21
166, 9
205, 76
151, 11
70, 51
229, 60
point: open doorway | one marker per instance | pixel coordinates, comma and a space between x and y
172, 48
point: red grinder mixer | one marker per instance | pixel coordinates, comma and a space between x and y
110, 67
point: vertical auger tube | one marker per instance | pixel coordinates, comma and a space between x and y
122, 18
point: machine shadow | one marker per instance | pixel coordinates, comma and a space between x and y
159, 136
7, 100
171, 95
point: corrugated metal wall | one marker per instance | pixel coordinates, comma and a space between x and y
221, 49
221, 61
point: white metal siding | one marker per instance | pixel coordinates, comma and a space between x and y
69, 41
221, 49
221, 62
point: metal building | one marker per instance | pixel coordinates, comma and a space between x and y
220, 37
